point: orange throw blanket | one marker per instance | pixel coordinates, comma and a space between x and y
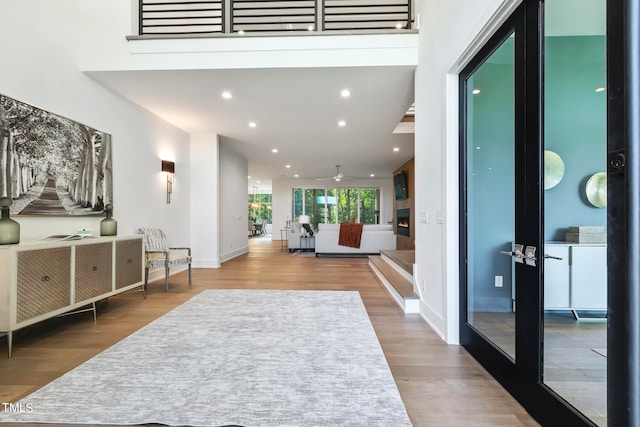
350, 234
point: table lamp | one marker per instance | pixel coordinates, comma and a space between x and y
304, 220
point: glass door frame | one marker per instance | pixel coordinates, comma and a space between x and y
523, 378
623, 219
495, 361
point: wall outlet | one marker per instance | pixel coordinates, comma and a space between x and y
498, 281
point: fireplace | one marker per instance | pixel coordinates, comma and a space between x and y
403, 221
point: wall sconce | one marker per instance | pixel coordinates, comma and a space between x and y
169, 168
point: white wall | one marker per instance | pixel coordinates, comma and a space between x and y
234, 238
205, 187
41, 44
451, 32
282, 197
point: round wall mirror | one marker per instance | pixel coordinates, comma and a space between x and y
553, 169
596, 190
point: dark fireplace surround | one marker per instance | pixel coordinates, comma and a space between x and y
403, 217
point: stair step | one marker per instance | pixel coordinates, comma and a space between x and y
402, 258
403, 286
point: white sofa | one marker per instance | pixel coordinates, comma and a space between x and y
375, 237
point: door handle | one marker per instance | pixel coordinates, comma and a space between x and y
530, 256
522, 254
547, 256
516, 253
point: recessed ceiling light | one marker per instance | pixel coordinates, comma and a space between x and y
227, 95
476, 91
252, 124
372, 175
249, 176
342, 123
258, 181
274, 150
600, 89
396, 149
296, 175
288, 166
345, 93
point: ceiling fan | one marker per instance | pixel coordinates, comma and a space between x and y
339, 176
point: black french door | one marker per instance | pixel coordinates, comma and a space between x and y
538, 82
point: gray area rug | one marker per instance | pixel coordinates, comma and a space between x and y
235, 357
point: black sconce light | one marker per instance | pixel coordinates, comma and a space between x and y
169, 168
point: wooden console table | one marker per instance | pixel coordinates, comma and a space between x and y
44, 279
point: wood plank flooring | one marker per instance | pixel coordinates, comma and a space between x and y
441, 385
404, 258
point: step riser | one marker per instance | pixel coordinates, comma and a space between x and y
397, 268
408, 305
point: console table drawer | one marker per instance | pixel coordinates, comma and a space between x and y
43, 282
93, 271
128, 262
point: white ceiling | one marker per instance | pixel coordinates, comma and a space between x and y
296, 111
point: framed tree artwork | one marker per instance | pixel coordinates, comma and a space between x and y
51, 165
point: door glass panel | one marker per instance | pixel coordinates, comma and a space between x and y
490, 198
369, 205
347, 205
330, 217
314, 206
297, 203
575, 143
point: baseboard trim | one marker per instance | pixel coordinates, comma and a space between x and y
232, 254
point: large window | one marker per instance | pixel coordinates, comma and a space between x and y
260, 207
314, 204
331, 205
348, 205
370, 205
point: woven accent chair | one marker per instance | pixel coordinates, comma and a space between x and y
160, 255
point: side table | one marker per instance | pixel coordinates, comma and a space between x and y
307, 243
284, 237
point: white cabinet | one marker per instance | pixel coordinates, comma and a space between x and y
578, 281
42, 279
556, 277
588, 277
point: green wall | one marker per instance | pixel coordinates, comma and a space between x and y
575, 128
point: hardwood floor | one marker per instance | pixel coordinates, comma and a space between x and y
572, 367
441, 385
